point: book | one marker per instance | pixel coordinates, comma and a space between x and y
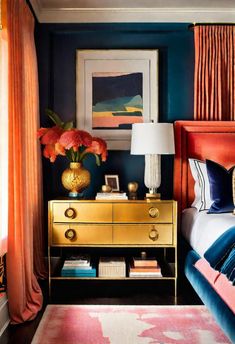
78, 272
111, 195
76, 267
76, 263
145, 274
148, 262
145, 269
85, 258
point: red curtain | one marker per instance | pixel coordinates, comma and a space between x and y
214, 77
25, 239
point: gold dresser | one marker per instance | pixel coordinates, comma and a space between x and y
141, 225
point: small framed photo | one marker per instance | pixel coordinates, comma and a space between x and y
113, 181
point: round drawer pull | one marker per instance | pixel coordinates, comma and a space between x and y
70, 234
153, 234
154, 212
70, 213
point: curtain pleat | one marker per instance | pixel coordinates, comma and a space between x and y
214, 74
25, 234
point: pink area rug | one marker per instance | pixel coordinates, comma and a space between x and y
96, 324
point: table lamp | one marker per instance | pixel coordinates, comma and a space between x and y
152, 140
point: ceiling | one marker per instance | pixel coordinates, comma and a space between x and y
106, 11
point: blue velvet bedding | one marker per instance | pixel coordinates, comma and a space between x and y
221, 256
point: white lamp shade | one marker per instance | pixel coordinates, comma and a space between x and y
152, 138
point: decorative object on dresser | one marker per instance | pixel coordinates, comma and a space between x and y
132, 190
63, 139
152, 140
113, 181
114, 224
106, 188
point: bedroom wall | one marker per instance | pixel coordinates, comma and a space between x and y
56, 47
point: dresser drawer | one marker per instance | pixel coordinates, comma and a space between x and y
82, 212
160, 234
70, 234
143, 212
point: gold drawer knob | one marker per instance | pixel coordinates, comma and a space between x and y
154, 212
70, 234
70, 213
153, 234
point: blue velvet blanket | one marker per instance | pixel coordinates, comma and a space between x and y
221, 255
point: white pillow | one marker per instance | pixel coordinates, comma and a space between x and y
202, 199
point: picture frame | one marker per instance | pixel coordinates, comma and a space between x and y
114, 89
113, 181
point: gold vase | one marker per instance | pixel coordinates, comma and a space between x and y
234, 190
75, 178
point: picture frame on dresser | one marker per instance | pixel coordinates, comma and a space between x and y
114, 89
113, 181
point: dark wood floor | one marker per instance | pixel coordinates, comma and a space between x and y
122, 293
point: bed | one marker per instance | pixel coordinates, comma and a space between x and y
205, 154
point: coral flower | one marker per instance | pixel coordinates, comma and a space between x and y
74, 139
50, 135
98, 146
63, 139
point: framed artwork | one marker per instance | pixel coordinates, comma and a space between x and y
114, 89
113, 181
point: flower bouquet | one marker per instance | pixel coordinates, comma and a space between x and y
63, 139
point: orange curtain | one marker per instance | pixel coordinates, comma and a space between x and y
3, 141
25, 247
214, 78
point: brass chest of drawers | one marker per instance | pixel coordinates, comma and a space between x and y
127, 224
112, 223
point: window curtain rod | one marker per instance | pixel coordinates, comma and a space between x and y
192, 26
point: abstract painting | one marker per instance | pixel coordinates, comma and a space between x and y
117, 100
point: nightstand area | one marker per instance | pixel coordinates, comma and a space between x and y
113, 228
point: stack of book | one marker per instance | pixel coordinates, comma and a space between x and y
78, 266
111, 195
112, 267
144, 268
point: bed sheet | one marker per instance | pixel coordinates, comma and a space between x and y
201, 229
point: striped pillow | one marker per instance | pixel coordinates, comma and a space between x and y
202, 199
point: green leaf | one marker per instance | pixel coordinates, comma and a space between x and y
84, 154
97, 159
54, 117
68, 125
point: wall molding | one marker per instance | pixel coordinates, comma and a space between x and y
131, 15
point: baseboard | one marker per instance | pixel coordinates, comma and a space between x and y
4, 314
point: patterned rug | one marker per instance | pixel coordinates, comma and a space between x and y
95, 324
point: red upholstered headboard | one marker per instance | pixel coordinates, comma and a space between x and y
214, 140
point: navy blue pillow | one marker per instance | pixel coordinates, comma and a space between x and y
221, 193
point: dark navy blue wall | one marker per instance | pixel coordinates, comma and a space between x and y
56, 49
